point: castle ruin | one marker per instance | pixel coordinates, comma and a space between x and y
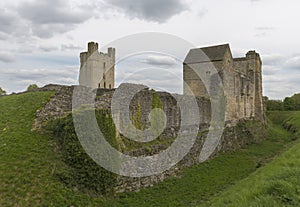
242, 81
97, 70
241, 77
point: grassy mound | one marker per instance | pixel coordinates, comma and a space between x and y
30, 164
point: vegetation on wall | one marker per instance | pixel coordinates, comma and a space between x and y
138, 117
82, 171
156, 102
157, 118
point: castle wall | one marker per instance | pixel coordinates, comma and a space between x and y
233, 138
228, 84
243, 89
192, 84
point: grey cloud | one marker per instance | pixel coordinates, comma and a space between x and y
3, 36
68, 47
283, 90
263, 31
11, 24
40, 73
280, 78
150, 10
273, 59
283, 84
272, 63
152, 74
7, 57
49, 30
7, 21
20, 79
159, 60
48, 18
45, 48
293, 63
157, 78
265, 28
52, 12
270, 70
261, 35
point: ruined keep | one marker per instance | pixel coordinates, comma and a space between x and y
97, 70
241, 78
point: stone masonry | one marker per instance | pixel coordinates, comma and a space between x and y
97, 70
241, 78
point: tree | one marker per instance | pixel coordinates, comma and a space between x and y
2, 92
296, 99
292, 103
275, 105
32, 87
289, 104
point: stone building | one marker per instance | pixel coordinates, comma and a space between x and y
97, 70
241, 78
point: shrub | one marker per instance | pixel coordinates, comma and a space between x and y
32, 87
2, 92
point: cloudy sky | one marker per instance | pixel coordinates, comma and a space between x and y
41, 39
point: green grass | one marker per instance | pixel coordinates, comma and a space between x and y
278, 117
197, 185
27, 159
277, 184
29, 162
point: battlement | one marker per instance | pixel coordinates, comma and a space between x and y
93, 48
253, 55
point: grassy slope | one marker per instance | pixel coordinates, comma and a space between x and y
277, 184
28, 162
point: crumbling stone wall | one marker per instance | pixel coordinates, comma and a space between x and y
233, 138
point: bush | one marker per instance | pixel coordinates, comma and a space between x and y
2, 92
32, 87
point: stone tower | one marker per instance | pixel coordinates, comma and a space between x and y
241, 77
97, 70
